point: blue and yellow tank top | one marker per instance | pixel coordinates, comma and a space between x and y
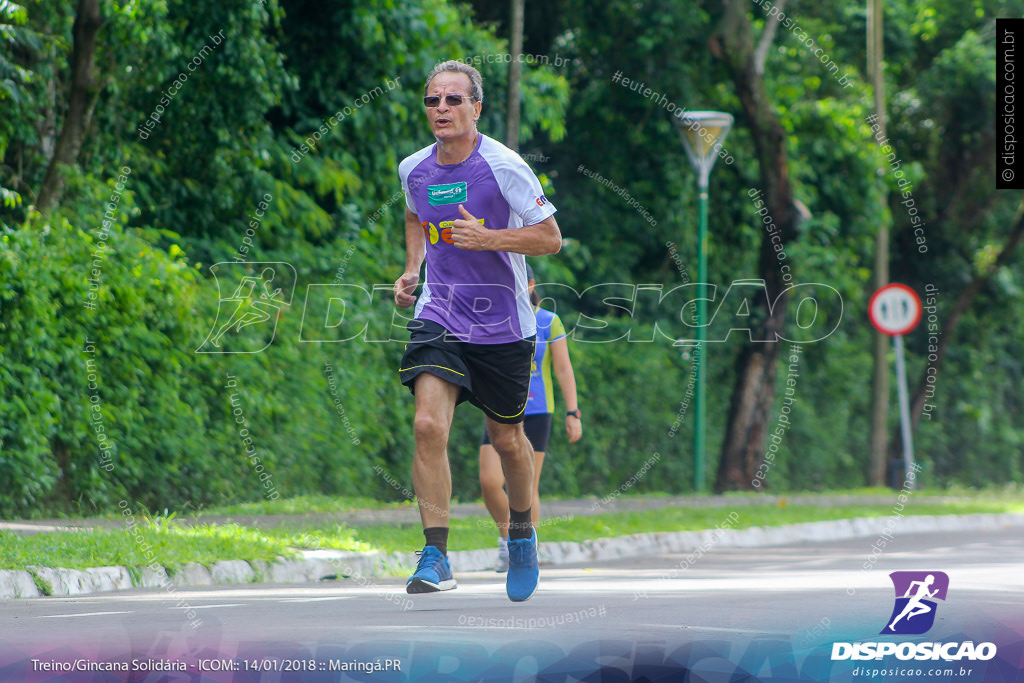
542, 391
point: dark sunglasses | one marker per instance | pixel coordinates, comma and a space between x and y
432, 101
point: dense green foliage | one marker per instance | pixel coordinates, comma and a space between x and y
331, 417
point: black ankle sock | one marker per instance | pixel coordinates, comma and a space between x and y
437, 536
520, 524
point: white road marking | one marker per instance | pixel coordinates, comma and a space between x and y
237, 604
79, 614
234, 593
725, 630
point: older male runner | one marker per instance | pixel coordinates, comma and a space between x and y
473, 209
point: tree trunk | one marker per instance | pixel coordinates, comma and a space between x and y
880, 361
515, 75
754, 393
946, 329
83, 86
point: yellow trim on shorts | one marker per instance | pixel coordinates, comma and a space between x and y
504, 417
427, 365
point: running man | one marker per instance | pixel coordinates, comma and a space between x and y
473, 209
552, 350
914, 606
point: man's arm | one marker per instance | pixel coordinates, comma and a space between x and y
415, 244
532, 240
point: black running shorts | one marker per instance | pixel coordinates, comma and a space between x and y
493, 377
537, 428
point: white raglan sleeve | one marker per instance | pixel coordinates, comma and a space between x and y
404, 169
523, 191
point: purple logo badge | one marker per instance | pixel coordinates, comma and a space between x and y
916, 593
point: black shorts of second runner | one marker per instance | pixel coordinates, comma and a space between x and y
493, 377
537, 428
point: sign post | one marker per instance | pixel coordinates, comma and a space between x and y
895, 310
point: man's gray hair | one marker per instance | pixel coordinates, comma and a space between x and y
476, 82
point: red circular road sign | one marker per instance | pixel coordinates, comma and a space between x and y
895, 309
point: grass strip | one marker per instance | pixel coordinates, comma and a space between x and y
169, 544
173, 544
299, 505
476, 533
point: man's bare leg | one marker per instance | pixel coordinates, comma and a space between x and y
516, 455
431, 474
517, 462
432, 479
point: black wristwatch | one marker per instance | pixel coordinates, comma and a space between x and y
575, 413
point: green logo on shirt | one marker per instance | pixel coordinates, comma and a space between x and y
453, 193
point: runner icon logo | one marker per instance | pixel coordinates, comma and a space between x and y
251, 295
916, 593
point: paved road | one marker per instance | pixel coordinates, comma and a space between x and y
764, 610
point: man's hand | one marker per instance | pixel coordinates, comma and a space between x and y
468, 234
404, 288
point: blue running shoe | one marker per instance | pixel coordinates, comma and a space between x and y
433, 573
523, 572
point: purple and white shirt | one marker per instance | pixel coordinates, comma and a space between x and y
478, 296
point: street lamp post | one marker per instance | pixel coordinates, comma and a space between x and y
703, 133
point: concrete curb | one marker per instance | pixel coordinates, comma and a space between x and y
318, 565
17, 584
